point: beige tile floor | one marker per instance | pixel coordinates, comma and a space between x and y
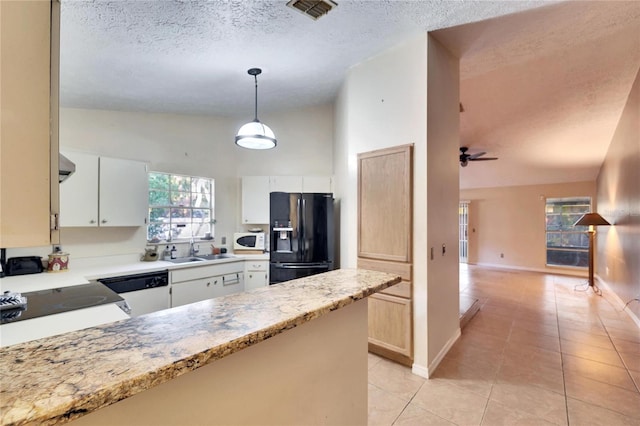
538, 352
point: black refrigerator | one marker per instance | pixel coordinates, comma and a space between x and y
301, 235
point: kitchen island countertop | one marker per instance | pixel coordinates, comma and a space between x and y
56, 379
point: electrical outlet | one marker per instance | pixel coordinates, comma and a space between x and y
223, 240
501, 255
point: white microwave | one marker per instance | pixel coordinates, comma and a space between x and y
248, 241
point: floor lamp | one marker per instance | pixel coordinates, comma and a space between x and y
592, 220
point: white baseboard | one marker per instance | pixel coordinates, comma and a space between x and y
421, 371
558, 271
616, 298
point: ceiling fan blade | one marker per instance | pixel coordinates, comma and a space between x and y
483, 159
476, 155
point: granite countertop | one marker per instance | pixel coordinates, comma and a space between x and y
59, 378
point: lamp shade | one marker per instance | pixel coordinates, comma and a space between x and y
255, 135
591, 219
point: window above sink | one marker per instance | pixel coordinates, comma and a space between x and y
181, 207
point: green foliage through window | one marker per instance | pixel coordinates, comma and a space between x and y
567, 245
179, 206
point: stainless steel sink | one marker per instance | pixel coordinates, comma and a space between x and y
201, 258
186, 260
215, 256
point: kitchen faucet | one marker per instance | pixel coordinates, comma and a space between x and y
193, 250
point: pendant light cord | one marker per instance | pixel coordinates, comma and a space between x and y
255, 77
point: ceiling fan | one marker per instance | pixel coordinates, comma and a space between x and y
465, 158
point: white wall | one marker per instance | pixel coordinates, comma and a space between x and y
383, 103
443, 181
502, 219
619, 202
190, 144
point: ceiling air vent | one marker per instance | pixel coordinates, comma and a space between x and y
312, 8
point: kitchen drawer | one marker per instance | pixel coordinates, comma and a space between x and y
256, 265
206, 271
402, 289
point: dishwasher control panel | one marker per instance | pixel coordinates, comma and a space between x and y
128, 283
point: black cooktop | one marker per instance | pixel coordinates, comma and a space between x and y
63, 299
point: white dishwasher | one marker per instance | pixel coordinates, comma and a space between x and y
144, 293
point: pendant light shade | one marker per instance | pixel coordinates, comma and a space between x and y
255, 135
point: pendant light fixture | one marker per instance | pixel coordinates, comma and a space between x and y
255, 135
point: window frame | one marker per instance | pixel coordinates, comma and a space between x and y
174, 222
565, 231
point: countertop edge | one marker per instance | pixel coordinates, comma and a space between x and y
119, 390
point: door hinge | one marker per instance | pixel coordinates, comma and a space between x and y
54, 222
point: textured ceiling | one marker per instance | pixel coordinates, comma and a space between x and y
192, 56
542, 89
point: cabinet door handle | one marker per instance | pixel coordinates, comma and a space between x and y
208, 284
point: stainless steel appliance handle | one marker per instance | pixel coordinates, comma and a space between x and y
304, 224
299, 226
303, 266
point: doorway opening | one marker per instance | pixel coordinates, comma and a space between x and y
463, 222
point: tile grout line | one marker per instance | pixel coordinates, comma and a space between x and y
626, 367
495, 377
564, 382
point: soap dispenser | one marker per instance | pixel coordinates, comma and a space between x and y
166, 254
174, 252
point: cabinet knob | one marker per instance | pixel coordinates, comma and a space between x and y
103, 221
92, 221
208, 284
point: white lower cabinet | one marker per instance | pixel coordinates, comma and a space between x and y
198, 283
256, 274
193, 291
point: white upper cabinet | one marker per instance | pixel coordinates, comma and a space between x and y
285, 184
79, 192
124, 192
256, 189
316, 184
255, 199
104, 192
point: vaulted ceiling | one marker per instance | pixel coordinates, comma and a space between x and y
542, 83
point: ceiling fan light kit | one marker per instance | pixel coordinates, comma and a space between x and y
465, 158
256, 135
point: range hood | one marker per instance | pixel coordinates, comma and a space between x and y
65, 168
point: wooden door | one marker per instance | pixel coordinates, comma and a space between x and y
385, 203
25, 151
